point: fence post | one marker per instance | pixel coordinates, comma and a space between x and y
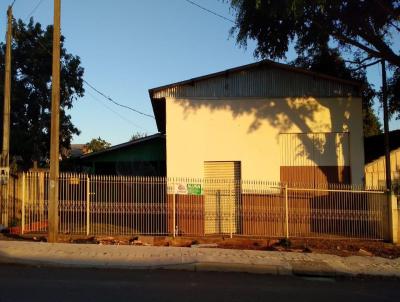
173, 210
4, 199
286, 211
393, 217
23, 204
232, 199
87, 205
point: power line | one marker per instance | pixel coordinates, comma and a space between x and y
33, 10
116, 103
115, 112
210, 11
87, 83
101, 93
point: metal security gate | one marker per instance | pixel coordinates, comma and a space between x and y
221, 196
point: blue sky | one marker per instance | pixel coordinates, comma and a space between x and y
129, 46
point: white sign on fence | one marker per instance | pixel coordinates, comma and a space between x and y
181, 188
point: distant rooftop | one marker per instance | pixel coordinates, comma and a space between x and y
77, 150
123, 145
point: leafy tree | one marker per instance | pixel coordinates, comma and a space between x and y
366, 26
328, 61
97, 144
138, 135
394, 94
31, 91
364, 30
372, 126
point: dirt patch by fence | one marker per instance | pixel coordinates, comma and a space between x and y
343, 248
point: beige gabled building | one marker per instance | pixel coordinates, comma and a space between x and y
264, 121
375, 167
375, 171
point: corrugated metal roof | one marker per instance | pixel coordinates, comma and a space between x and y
263, 79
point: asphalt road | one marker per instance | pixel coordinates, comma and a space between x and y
20, 283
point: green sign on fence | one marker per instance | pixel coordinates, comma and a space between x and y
194, 189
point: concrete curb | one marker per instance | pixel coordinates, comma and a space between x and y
274, 270
243, 268
193, 267
202, 260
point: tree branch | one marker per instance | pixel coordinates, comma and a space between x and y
366, 65
359, 62
383, 51
395, 26
347, 40
387, 9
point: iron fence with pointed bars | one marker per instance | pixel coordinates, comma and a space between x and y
125, 205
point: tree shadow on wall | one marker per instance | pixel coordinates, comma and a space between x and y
296, 115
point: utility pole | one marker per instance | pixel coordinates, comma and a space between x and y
7, 94
386, 127
5, 154
55, 127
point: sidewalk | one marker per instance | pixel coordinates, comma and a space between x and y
195, 259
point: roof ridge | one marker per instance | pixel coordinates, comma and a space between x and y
255, 65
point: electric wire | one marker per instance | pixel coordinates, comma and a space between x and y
116, 103
34, 10
210, 11
113, 111
101, 93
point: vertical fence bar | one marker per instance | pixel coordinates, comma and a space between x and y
232, 199
286, 211
173, 210
87, 205
23, 204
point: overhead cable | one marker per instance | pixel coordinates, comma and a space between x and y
34, 10
210, 11
90, 85
115, 112
114, 102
